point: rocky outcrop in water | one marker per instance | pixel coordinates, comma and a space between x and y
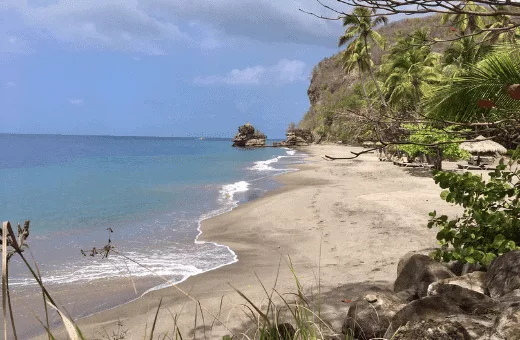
249, 137
296, 137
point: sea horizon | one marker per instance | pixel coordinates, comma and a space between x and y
209, 138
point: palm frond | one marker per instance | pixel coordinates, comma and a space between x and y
487, 80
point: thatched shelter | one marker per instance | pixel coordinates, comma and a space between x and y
482, 145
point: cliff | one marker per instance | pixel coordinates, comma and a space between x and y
331, 89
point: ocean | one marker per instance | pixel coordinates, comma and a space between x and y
151, 192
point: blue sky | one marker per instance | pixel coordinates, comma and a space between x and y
158, 67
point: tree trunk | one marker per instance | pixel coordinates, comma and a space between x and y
438, 158
372, 73
363, 86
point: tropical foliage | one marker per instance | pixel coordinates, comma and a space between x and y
482, 91
489, 226
471, 77
360, 31
466, 23
408, 70
422, 135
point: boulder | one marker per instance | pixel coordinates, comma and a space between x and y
416, 272
468, 300
475, 281
503, 274
431, 307
507, 324
248, 136
432, 330
369, 316
509, 298
468, 310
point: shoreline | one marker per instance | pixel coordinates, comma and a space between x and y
121, 287
213, 214
298, 219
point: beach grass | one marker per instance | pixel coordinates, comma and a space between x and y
281, 317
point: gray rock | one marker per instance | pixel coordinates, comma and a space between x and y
430, 307
509, 298
475, 281
432, 330
407, 295
417, 272
503, 274
468, 300
469, 309
366, 320
507, 324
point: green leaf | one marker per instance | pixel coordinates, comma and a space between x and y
469, 259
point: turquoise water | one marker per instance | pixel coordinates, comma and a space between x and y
152, 192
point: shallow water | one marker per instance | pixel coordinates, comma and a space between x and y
152, 192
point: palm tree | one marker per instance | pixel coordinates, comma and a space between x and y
355, 57
463, 53
360, 27
466, 23
480, 92
410, 67
502, 21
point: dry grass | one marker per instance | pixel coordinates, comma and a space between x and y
281, 317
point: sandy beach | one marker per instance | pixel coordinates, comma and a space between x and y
344, 224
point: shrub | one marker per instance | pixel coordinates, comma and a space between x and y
422, 134
490, 225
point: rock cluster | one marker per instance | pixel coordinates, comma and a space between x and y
248, 136
429, 301
296, 137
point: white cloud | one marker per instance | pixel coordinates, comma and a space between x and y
76, 101
154, 26
137, 58
283, 72
108, 24
10, 84
261, 20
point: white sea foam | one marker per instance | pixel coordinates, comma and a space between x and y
228, 191
166, 264
291, 152
266, 165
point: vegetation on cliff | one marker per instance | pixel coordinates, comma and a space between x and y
336, 81
434, 67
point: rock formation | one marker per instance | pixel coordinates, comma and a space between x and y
296, 137
248, 137
431, 302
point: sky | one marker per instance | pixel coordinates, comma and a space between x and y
158, 67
